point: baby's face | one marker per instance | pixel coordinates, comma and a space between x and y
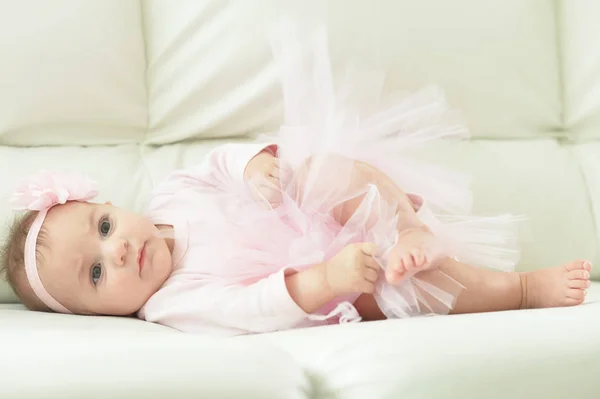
102, 259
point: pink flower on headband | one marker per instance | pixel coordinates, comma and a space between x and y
46, 189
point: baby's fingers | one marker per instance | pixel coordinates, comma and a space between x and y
281, 171
371, 275
368, 249
371, 263
275, 172
272, 182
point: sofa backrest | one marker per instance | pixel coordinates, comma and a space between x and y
148, 86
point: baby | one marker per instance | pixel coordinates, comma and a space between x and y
330, 221
73, 256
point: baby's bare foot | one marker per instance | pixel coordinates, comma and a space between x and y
414, 252
555, 287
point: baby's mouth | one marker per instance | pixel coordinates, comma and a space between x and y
141, 257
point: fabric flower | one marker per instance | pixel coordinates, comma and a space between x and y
46, 189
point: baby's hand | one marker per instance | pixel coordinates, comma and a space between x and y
264, 175
353, 270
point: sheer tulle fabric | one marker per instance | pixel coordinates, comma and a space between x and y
328, 125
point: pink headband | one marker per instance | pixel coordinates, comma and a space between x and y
40, 193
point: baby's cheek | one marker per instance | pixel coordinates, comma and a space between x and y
127, 291
162, 265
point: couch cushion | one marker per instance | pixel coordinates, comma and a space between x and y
210, 70
588, 158
581, 67
546, 353
105, 359
76, 73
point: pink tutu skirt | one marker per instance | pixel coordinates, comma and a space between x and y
332, 124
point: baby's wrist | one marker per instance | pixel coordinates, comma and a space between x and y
325, 284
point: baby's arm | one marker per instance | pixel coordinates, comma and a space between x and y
229, 167
223, 168
352, 271
278, 302
208, 305
309, 288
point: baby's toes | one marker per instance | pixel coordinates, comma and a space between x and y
394, 271
408, 261
419, 257
393, 277
576, 265
579, 284
575, 295
572, 302
580, 274
396, 265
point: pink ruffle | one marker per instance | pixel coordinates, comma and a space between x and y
47, 188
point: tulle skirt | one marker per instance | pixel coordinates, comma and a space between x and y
328, 126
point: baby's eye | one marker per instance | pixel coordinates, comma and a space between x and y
104, 227
96, 273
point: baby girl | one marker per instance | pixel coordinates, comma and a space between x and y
98, 259
328, 221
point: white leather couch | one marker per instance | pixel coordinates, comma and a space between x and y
128, 90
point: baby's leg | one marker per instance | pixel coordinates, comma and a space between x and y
417, 248
489, 290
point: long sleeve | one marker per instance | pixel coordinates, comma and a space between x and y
195, 298
223, 166
212, 307
222, 170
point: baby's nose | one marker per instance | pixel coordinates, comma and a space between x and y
120, 251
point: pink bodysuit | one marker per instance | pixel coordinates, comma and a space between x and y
192, 299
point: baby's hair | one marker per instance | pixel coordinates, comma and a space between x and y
12, 259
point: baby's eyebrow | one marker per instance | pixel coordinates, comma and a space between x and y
81, 272
91, 222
